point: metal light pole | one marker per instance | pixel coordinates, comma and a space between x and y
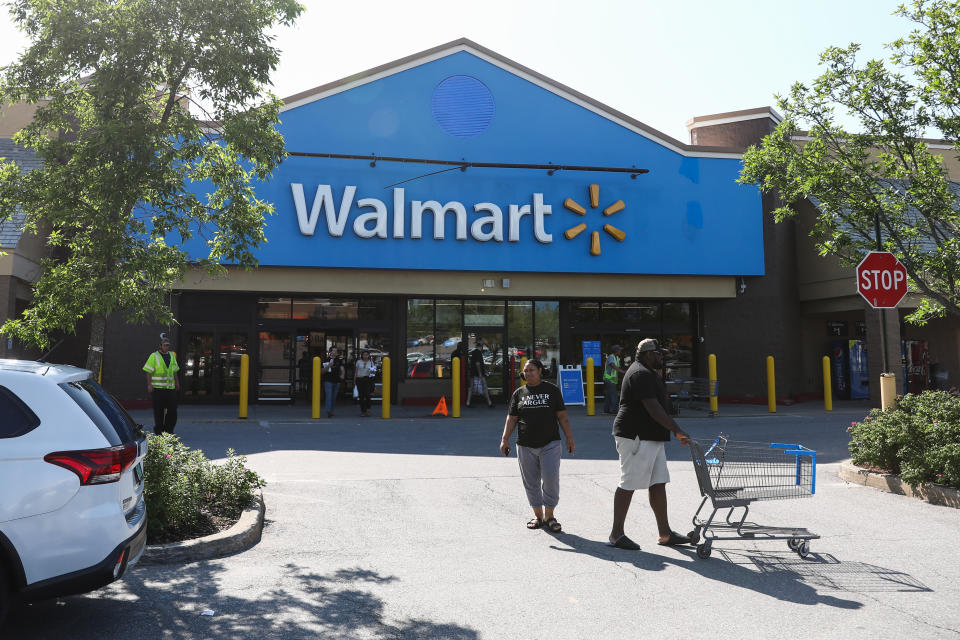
883, 312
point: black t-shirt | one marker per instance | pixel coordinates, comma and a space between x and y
332, 370
537, 408
477, 367
633, 419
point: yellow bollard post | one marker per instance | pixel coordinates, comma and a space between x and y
888, 391
439, 370
456, 388
712, 373
244, 384
385, 394
315, 389
591, 391
523, 363
771, 386
827, 387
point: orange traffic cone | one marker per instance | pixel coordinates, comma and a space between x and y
441, 407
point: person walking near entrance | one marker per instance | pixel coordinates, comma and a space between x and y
333, 374
478, 369
162, 385
363, 375
641, 430
537, 407
613, 369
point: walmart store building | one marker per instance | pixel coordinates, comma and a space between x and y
456, 196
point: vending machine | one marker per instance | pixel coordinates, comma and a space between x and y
859, 369
839, 369
916, 366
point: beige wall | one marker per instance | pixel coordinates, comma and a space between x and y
453, 283
14, 117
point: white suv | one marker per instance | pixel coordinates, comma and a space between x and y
72, 514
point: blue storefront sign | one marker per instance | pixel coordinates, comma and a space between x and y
591, 349
687, 216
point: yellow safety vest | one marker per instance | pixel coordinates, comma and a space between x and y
162, 374
611, 374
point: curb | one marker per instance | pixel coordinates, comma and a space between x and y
241, 536
928, 492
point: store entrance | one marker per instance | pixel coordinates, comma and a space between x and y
491, 344
210, 362
285, 366
317, 343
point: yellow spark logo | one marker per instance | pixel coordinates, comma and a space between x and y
574, 206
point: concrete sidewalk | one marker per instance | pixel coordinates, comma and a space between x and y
414, 528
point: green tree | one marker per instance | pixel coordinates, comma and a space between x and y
137, 101
884, 172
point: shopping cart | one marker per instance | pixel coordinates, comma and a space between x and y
734, 474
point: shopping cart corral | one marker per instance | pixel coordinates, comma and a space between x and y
732, 475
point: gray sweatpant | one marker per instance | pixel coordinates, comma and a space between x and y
540, 470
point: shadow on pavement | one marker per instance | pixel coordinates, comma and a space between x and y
474, 437
169, 605
787, 578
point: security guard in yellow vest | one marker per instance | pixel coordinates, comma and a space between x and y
612, 368
162, 383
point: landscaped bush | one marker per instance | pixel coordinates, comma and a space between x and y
188, 496
919, 439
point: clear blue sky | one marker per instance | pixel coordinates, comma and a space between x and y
661, 62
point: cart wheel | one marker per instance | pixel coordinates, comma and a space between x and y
703, 550
694, 536
803, 549
793, 543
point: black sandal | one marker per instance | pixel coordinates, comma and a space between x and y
553, 525
535, 523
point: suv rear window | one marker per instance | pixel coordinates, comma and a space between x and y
113, 421
16, 418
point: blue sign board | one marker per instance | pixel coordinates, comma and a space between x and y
687, 216
591, 349
571, 385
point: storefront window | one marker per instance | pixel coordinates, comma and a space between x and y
547, 340
324, 309
478, 313
420, 338
374, 309
274, 308
520, 332
232, 348
636, 313
197, 365
583, 312
679, 358
676, 315
449, 332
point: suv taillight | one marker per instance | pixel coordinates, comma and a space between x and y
96, 466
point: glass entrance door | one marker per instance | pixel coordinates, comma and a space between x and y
275, 377
309, 344
491, 345
211, 364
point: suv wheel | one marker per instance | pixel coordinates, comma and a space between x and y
4, 594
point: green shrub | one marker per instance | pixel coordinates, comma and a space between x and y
919, 439
184, 491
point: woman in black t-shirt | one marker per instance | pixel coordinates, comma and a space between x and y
537, 408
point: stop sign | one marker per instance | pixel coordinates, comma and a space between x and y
881, 280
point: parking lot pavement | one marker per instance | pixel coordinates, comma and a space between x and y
414, 528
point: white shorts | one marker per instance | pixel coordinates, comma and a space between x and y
643, 463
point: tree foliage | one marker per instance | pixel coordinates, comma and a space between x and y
884, 171
138, 101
